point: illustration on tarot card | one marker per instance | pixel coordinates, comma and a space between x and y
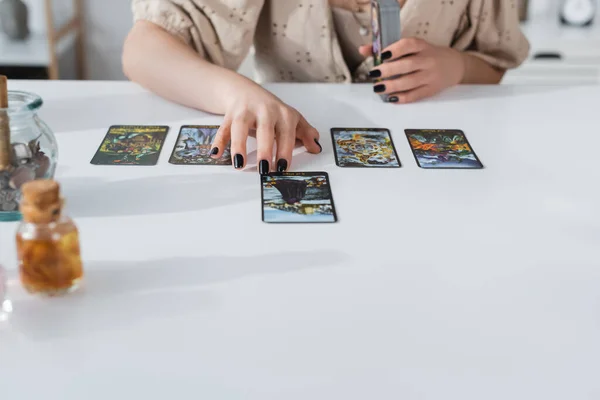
442, 149
194, 145
364, 148
301, 197
131, 145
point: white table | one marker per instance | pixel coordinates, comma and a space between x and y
464, 285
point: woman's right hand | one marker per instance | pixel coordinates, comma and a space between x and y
276, 124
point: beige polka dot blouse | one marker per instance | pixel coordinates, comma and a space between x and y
317, 40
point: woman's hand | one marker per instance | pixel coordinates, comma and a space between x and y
245, 104
276, 123
426, 70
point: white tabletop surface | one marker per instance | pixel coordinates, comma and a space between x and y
465, 285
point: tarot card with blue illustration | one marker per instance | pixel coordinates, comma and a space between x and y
131, 145
442, 149
194, 145
297, 197
364, 148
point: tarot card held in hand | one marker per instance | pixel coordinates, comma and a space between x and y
376, 29
441, 148
194, 145
131, 145
364, 148
297, 197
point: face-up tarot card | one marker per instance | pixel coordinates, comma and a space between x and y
297, 197
364, 148
193, 147
131, 145
442, 149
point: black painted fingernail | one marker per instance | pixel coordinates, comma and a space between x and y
319, 144
379, 88
214, 151
375, 73
238, 161
282, 165
386, 55
393, 99
263, 167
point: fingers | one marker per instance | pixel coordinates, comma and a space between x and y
286, 138
403, 47
366, 50
309, 136
414, 95
404, 83
221, 140
265, 136
239, 136
402, 66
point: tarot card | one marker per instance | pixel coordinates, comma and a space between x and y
442, 149
376, 29
364, 148
194, 144
385, 26
131, 145
297, 197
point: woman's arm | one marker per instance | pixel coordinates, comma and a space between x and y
165, 65
477, 71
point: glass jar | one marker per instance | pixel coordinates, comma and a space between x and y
5, 304
49, 257
34, 151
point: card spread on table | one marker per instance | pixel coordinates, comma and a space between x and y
364, 148
194, 145
297, 197
131, 145
442, 148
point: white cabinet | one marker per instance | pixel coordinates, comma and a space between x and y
57, 47
578, 49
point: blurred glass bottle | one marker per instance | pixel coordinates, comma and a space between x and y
47, 242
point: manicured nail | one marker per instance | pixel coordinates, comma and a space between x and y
375, 73
386, 55
379, 88
238, 161
393, 99
282, 165
263, 167
319, 144
214, 151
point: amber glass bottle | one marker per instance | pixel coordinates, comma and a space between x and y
47, 242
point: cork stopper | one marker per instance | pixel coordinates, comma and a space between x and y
41, 202
5, 148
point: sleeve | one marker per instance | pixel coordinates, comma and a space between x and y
221, 31
494, 34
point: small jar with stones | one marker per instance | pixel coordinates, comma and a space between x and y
33, 150
48, 248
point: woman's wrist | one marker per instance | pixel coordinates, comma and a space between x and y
461, 65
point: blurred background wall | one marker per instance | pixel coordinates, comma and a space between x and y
561, 54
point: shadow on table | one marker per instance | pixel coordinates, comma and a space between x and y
99, 112
97, 197
119, 294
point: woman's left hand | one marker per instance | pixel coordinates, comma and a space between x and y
425, 70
